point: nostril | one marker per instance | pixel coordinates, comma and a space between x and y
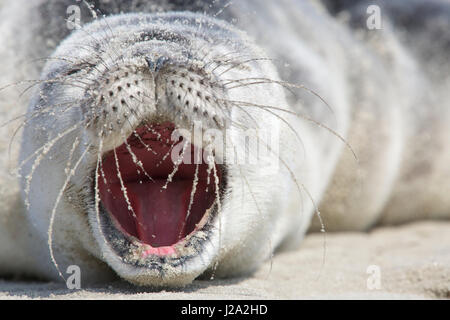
155, 66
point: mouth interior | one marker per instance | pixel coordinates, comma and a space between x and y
137, 194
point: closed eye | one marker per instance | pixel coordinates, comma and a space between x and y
73, 71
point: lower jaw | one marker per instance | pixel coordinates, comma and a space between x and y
176, 250
130, 261
136, 254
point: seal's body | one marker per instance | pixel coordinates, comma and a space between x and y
361, 132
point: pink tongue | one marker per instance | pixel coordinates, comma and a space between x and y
161, 213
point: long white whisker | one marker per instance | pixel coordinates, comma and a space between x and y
122, 186
176, 165
191, 199
70, 174
260, 213
284, 84
302, 116
211, 163
45, 149
301, 186
136, 160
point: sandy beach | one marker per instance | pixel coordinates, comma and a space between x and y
408, 262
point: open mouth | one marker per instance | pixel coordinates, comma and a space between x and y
154, 197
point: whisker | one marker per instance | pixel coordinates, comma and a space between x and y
45, 149
222, 9
167, 154
286, 85
290, 127
211, 164
33, 116
124, 189
70, 174
241, 84
301, 186
36, 113
17, 83
176, 165
302, 116
191, 199
136, 160
260, 214
97, 189
140, 114
220, 63
242, 63
61, 81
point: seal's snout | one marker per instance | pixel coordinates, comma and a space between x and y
191, 94
160, 91
124, 96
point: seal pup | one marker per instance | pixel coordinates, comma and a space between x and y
110, 100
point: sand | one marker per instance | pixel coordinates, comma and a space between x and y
410, 262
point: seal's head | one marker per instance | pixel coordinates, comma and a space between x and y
111, 165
